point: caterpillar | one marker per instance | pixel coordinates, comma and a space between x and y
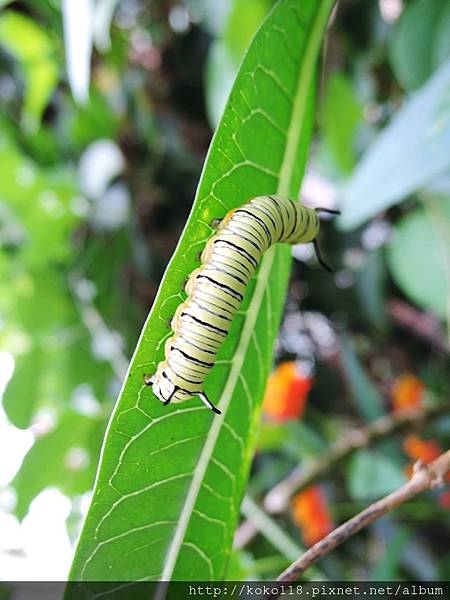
216, 289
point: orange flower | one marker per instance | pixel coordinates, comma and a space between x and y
286, 393
311, 514
407, 393
417, 449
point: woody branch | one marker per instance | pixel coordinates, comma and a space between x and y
425, 477
277, 499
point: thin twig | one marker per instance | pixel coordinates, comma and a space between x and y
425, 326
425, 477
278, 498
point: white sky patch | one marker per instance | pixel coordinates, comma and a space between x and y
303, 252
78, 18
179, 19
38, 549
46, 552
390, 10
101, 162
84, 401
318, 191
14, 442
376, 234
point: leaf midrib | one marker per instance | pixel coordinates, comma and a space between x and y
286, 172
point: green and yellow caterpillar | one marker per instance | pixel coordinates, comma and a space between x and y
216, 289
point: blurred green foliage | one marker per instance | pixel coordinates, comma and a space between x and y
34, 51
83, 247
419, 257
339, 117
420, 41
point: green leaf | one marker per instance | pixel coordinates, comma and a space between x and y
420, 41
33, 48
227, 51
270, 529
340, 115
407, 155
23, 390
243, 566
365, 394
220, 74
370, 287
419, 258
387, 566
65, 458
171, 479
38, 203
92, 121
53, 350
244, 20
371, 475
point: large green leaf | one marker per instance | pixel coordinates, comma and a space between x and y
171, 479
37, 204
406, 156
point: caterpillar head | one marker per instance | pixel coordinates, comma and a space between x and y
163, 386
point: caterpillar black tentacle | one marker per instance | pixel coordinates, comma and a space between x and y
215, 290
327, 210
321, 261
207, 402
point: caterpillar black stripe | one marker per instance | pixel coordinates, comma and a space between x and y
216, 289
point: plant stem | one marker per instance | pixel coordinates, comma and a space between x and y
277, 499
425, 477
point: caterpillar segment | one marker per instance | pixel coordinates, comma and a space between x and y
216, 289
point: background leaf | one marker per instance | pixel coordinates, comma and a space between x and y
227, 51
340, 114
34, 50
419, 258
365, 395
171, 478
18, 402
72, 447
406, 155
420, 42
372, 475
370, 283
387, 567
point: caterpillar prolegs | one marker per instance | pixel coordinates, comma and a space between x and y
216, 289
